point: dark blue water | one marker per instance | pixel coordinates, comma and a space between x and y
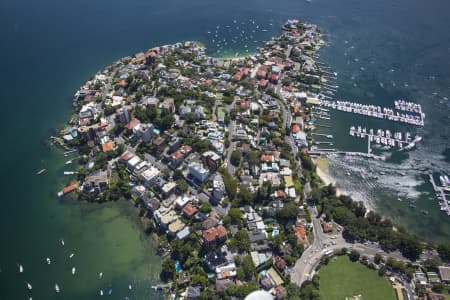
49, 48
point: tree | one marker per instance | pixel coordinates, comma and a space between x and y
382, 271
168, 270
205, 207
182, 185
248, 268
378, 258
177, 174
288, 213
236, 157
235, 215
354, 255
245, 196
230, 184
241, 241
444, 251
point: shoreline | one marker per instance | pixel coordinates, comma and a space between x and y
322, 170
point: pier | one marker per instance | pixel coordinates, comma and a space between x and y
440, 194
160, 286
417, 117
328, 136
386, 137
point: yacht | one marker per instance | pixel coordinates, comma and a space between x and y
20, 268
57, 288
100, 275
41, 171
48, 260
73, 271
129, 287
101, 292
68, 162
71, 255
62, 242
29, 287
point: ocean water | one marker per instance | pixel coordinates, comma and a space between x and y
49, 48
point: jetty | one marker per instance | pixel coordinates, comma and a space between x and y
161, 286
402, 113
385, 137
440, 194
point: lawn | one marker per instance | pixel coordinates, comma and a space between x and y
342, 278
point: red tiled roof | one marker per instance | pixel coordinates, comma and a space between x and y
186, 149
214, 233
190, 210
126, 156
280, 194
300, 232
280, 263
70, 188
133, 123
267, 158
123, 83
177, 155
108, 146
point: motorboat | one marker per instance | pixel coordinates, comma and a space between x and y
48, 260
57, 290
100, 275
101, 292
29, 287
62, 242
20, 268
71, 255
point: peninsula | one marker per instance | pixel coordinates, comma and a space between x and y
214, 152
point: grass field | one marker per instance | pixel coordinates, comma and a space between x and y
342, 278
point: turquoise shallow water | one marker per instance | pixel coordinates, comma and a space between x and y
49, 48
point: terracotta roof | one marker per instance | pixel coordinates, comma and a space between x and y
190, 210
126, 156
280, 263
300, 232
122, 83
281, 194
177, 155
214, 233
108, 146
267, 158
70, 188
186, 149
133, 123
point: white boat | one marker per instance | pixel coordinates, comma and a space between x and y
101, 292
100, 275
60, 193
130, 287
57, 288
29, 287
73, 271
68, 162
71, 255
48, 260
62, 242
20, 268
41, 171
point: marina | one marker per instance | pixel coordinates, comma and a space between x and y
415, 116
386, 138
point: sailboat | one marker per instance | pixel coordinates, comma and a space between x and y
29, 287
71, 255
100, 275
20, 268
57, 288
73, 271
48, 260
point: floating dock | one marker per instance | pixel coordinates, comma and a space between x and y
385, 137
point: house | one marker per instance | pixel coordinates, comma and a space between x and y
212, 160
198, 171
209, 223
183, 233
168, 106
108, 146
444, 274
177, 158
223, 284
257, 236
280, 263
260, 258
192, 292
175, 227
168, 188
166, 219
133, 123
144, 131
213, 236
149, 176
226, 271
189, 210
300, 233
218, 188
96, 182
181, 202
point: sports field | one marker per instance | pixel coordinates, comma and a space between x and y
342, 278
